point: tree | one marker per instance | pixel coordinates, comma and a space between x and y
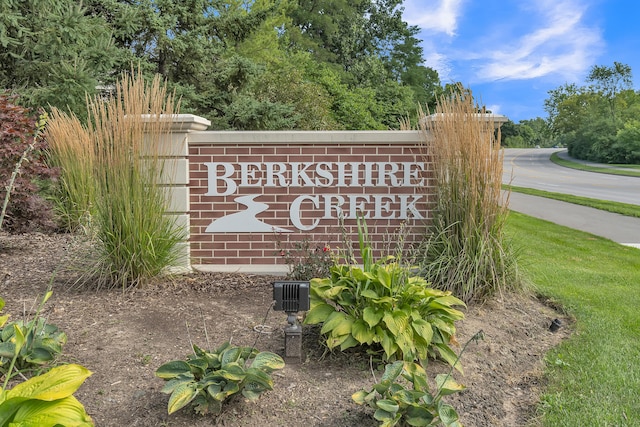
609, 81
372, 49
53, 53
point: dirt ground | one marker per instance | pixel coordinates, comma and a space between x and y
124, 338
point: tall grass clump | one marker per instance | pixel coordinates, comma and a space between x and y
72, 151
465, 251
110, 169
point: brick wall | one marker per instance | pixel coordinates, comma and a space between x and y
251, 189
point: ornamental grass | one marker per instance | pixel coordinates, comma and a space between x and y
465, 250
109, 182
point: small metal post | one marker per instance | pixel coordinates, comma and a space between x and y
293, 339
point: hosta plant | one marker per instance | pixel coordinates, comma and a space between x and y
382, 306
206, 379
43, 400
46, 400
43, 343
409, 402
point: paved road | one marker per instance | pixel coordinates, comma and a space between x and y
531, 168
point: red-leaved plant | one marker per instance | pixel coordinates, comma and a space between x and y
25, 209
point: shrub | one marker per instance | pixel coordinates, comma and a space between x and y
381, 305
110, 173
206, 379
465, 251
22, 165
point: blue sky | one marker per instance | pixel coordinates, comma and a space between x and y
512, 52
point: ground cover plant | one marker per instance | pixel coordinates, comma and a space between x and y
208, 378
465, 251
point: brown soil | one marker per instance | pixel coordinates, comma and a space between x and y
124, 338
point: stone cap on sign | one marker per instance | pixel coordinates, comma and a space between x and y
496, 119
182, 122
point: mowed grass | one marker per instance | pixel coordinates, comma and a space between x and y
605, 205
594, 377
614, 169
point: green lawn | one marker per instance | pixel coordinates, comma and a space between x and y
605, 205
625, 170
594, 377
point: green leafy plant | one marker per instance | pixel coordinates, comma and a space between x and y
43, 400
381, 305
396, 404
206, 379
43, 343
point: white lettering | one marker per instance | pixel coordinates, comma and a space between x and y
299, 170
328, 207
353, 174
383, 174
358, 208
405, 206
295, 212
272, 173
410, 175
323, 170
212, 173
380, 206
248, 170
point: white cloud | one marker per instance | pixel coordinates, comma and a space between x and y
438, 62
561, 45
441, 19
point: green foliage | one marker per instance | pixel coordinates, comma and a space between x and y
383, 306
43, 343
395, 404
594, 121
208, 378
44, 400
627, 144
29, 345
21, 165
53, 52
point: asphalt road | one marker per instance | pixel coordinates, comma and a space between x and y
532, 168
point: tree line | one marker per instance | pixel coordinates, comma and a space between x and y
243, 64
599, 121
